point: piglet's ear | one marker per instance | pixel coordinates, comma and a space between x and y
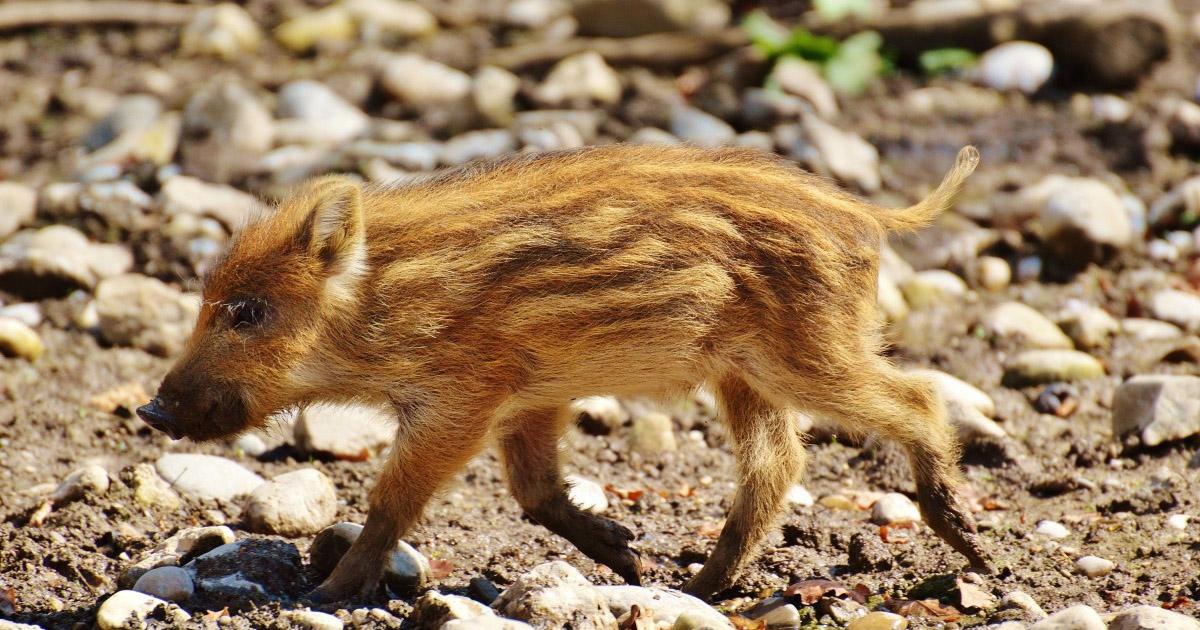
335, 226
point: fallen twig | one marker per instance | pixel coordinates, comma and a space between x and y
659, 49
15, 15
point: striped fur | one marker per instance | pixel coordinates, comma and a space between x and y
480, 301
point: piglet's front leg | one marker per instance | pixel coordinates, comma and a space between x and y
421, 462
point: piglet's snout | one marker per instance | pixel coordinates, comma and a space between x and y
155, 415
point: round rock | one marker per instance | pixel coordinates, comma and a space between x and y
207, 476
1094, 566
170, 583
1023, 66
894, 507
298, 503
127, 610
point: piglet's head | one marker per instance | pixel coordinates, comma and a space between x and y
268, 309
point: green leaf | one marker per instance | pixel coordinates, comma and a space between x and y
856, 64
943, 60
805, 45
840, 9
769, 36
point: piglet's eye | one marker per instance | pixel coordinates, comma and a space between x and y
247, 313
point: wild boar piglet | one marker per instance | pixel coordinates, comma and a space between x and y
480, 302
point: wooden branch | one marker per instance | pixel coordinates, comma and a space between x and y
659, 49
15, 15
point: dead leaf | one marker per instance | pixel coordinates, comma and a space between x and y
214, 615
440, 568
629, 494
886, 533
361, 456
860, 593
928, 608
8, 602
972, 596
809, 591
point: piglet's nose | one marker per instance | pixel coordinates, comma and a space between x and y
154, 415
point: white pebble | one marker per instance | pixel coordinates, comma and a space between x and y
894, 507
1052, 529
1178, 521
1094, 566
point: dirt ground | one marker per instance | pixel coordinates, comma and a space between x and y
1113, 496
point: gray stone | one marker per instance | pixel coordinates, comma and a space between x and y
992, 273
55, 260
580, 79
250, 445
352, 432
251, 569
207, 476
1152, 618
663, 605
294, 504
1177, 307
128, 610
652, 135
232, 130
18, 203
412, 156
894, 507
1023, 66
1014, 319
1161, 408
775, 612
478, 145
19, 340
700, 128
183, 545
1033, 367
168, 582
187, 195
555, 595
1078, 617
142, 312
311, 113
534, 13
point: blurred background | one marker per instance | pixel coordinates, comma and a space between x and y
1056, 306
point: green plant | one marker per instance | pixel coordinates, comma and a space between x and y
945, 60
849, 66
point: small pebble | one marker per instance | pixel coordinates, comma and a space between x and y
1094, 566
1052, 529
1178, 521
313, 620
170, 583
878, 620
894, 507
